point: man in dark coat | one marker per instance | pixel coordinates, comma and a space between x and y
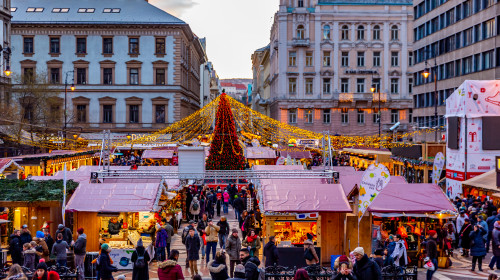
490, 221
193, 250
185, 234
271, 253
251, 265
432, 253
239, 206
25, 236
140, 251
16, 248
48, 239
495, 246
170, 231
365, 268
66, 232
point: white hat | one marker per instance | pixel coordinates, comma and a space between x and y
359, 251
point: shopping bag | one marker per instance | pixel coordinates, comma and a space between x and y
429, 265
443, 262
204, 237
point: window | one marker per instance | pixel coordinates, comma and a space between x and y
487, 60
326, 115
81, 45
309, 85
344, 116
133, 45
160, 76
28, 45
28, 74
34, 10
55, 45
394, 116
394, 59
376, 59
410, 58
344, 33
376, 83
300, 32
344, 85
394, 85
292, 85
345, 59
81, 113
394, 33
60, 10
376, 33
107, 76
110, 10
107, 113
361, 116
361, 59
361, 32
327, 86
86, 10
107, 45
326, 32
410, 85
376, 116
488, 28
292, 59
160, 114
81, 76
300, 3
134, 113
13, 9
360, 85
309, 59
309, 115
326, 59
134, 76
467, 65
292, 115
55, 74
160, 45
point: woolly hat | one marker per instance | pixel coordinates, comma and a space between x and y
60, 226
80, 231
234, 230
42, 265
105, 246
343, 259
140, 243
239, 268
432, 232
40, 234
359, 251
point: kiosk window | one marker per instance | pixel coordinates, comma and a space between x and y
453, 132
294, 231
491, 134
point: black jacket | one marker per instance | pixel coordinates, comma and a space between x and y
140, 273
105, 267
271, 254
431, 248
25, 238
366, 269
217, 270
193, 247
50, 242
251, 268
67, 235
15, 249
80, 247
224, 228
239, 204
201, 226
340, 276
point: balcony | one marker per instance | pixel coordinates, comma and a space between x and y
296, 43
350, 97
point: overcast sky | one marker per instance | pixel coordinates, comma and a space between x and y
234, 29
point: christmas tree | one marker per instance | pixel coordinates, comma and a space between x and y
225, 151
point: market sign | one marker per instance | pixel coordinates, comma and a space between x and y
437, 168
374, 180
308, 142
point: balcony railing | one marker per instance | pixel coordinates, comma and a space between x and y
300, 42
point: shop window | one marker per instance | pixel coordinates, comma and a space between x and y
294, 232
491, 135
454, 132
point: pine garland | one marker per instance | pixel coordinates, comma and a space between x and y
31, 191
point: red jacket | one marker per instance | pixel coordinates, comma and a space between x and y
170, 270
52, 275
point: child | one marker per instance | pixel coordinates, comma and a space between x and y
29, 256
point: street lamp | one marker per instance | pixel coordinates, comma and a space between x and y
426, 74
6, 52
72, 87
7, 71
373, 88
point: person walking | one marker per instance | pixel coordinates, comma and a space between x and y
66, 233
225, 201
238, 206
59, 249
29, 254
194, 209
193, 251
201, 230
478, 248
399, 254
233, 248
212, 237
432, 252
80, 250
310, 254
465, 237
495, 246
140, 258
271, 253
218, 267
252, 243
364, 268
104, 267
490, 221
169, 269
25, 235
223, 231
161, 243
170, 232
15, 247
251, 264
219, 201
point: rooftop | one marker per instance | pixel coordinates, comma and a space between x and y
89, 12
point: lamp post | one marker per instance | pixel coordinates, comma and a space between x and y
426, 74
6, 52
374, 88
72, 87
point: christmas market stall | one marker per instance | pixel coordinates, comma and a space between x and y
159, 157
362, 158
484, 185
301, 209
410, 210
119, 213
260, 155
9, 169
415, 162
296, 154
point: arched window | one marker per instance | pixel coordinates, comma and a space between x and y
300, 3
376, 32
300, 32
361, 32
344, 34
394, 33
326, 32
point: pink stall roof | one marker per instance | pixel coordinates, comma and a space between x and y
277, 167
296, 154
266, 182
158, 154
411, 198
340, 169
114, 197
260, 153
349, 181
305, 198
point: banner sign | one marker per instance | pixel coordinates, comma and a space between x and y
374, 180
437, 168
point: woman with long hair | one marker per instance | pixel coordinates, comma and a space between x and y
41, 273
16, 273
169, 269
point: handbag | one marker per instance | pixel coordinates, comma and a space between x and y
429, 266
443, 262
204, 237
308, 255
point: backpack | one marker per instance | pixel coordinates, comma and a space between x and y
196, 206
184, 235
262, 273
140, 262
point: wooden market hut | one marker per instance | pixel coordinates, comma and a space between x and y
9, 169
260, 155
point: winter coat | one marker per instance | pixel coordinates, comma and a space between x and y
251, 268
399, 255
340, 276
217, 270
271, 254
226, 197
152, 232
29, 258
212, 233
478, 246
461, 221
255, 244
25, 238
233, 248
140, 273
239, 205
193, 245
191, 208
170, 232
366, 269
491, 222
51, 275
105, 268
485, 226
80, 247
309, 245
15, 249
224, 227
50, 242
495, 239
59, 249
45, 254
431, 248
465, 235
66, 233
170, 270
202, 224
161, 238
19, 276
390, 247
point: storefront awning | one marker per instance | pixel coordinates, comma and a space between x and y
305, 198
486, 180
411, 198
260, 153
115, 197
158, 154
